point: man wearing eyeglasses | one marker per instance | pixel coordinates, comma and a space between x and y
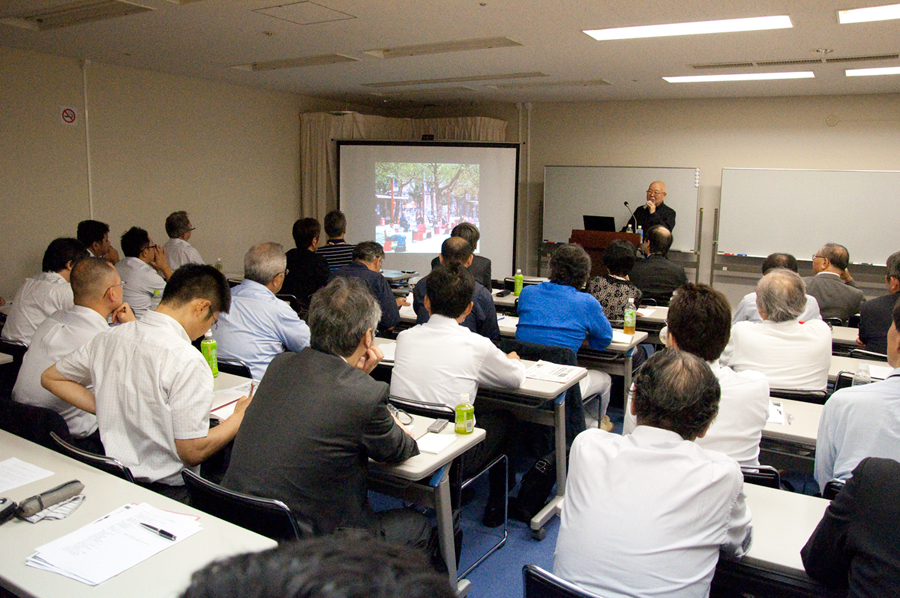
145, 271
178, 251
832, 286
655, 212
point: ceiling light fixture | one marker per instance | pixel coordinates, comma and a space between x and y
867, 15
485, 43
293, 63
890, 70
741, 77
695, 28
454, 80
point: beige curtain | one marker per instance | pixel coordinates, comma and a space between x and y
318, 150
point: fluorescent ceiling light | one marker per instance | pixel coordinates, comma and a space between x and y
698, 27
485, 43
741, 77
890, 70
866, 15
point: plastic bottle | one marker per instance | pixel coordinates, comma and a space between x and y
519, 282
208, 348
862, 375
630, 229
219, 264
640, 231
465, 415
630, 316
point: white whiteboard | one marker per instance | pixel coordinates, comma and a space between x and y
572, 191
797, 211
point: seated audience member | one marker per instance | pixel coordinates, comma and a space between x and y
318, 417
307, 271
45, 293
344, 565
700, 323
178, 251
746, 309
152, 388
856, 544
875, 315
336, 250
440, 360
480, 266
647, 514
558, 313
94, 235
861, 421
655, 275
97, 289
615, 289
144, 271
791, 354
368, 258
832, 286
260, 325
482, 319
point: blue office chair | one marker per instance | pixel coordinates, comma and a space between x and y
543, 584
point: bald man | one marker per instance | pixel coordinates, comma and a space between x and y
97, 291
654, 212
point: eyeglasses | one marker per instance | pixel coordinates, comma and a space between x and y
120, 284
816, 255
653, 192
149, 247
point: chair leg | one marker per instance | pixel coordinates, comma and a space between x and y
504, 460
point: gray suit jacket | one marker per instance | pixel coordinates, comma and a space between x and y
836, 298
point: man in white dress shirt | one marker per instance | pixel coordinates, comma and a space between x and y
792, 354
647, 514
144, 271
439, 361
861, 421
746, 309
178, 251
94, 235
699, 323
152, 389
45, 293
97, 289
260, 325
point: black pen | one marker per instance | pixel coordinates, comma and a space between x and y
159, 532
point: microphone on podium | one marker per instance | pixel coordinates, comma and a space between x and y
632, 216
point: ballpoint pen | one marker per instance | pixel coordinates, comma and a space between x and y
159, 532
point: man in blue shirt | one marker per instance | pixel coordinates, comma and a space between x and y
260, 325
368, 258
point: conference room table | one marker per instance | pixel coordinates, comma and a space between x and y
879, 370
792, 443
165, 574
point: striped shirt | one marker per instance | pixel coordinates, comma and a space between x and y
337, 252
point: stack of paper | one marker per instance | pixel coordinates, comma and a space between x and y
225, 400
113, 543
553, 372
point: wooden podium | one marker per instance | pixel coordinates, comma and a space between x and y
595, 242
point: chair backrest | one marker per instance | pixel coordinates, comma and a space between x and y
265, 516
762, 475
235, 367
543, 584
833, 488
806, 396
110, 465
863, 354
844, 379
832, 322
423, 408
33, 423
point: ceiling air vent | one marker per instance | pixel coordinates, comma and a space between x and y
864, 58
789, 62
723, 65
73, 13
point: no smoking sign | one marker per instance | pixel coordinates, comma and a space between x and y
68, 115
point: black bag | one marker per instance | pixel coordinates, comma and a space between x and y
537, 484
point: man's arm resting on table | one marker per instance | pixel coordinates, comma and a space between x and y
70, 392
385, 440
194, 451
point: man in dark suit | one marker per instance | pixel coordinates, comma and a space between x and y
307, 271
480, 268
875, 315
368, 257
857, 543
319, 417
832, 286
655, 275
654, 212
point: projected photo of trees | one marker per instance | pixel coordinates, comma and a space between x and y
418, 204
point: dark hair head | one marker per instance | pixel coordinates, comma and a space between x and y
91, 231
836, 254
893, 265
340, 313
676, 391
368, 251
177, 224
781, 295
570, 266
90, 279
467, 231
62, 251
198, 281
134, 241
456, 250
335, 224
700, 320
659, 239
619, 257
341, 565
450, 290
779, 260
304, 231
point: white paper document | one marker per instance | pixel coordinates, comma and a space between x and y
389, 350
15, 472
645, 312
619, 336
435, 443
112, 544
224, 400
880, 372
776, 413
552, 372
